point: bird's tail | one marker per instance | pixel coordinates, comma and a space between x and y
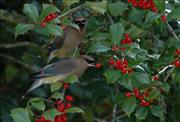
35, 85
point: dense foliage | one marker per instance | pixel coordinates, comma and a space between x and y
137, 77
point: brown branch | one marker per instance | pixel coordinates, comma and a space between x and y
17, 61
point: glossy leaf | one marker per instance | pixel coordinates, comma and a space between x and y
20, 115
22, 29
129, 105
116, 31
117, 8
31, 11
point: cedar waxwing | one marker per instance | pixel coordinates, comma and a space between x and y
70, 40
61, 69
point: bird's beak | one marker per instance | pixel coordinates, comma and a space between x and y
91, 65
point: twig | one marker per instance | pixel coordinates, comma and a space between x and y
70, 11
17, 61
14, 45
171, 30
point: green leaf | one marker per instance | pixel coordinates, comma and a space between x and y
57, 95
74, 110
141, 113
141, 77
166, 87
51, 1
151, 16
99, 7
174, 14
117, 8
157, 111
129, 105
70, 2
154, 94
47, 11
50, 114
98, 48
135, 15
116, 31
20, 115
22, 29
38, 105
71, 79
126, 81
50, 29
112, 76
31, 11
160, 4
56, 86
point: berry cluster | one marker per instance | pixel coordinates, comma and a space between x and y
139, 96
42, 119
49, 18
60, 118
121, 65
61, 106
126, 40
144, 4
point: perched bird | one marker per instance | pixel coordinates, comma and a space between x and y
70, 40
61, 69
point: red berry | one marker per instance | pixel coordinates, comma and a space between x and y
68, 105
136, 92
47, 121
178, 51
155, 78
128, 94
177, 63
163, 18
122, 48
57, 118
125, 62
111, 61
42, 119
48, 18
147, 103
43, 24
118, 62
140, 97
58, 102
61, 107
65, 85
69, 98
143, 102
37, 120
53, 15
98, 65
126, 35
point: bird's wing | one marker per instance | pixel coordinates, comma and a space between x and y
56, 44
64, 66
